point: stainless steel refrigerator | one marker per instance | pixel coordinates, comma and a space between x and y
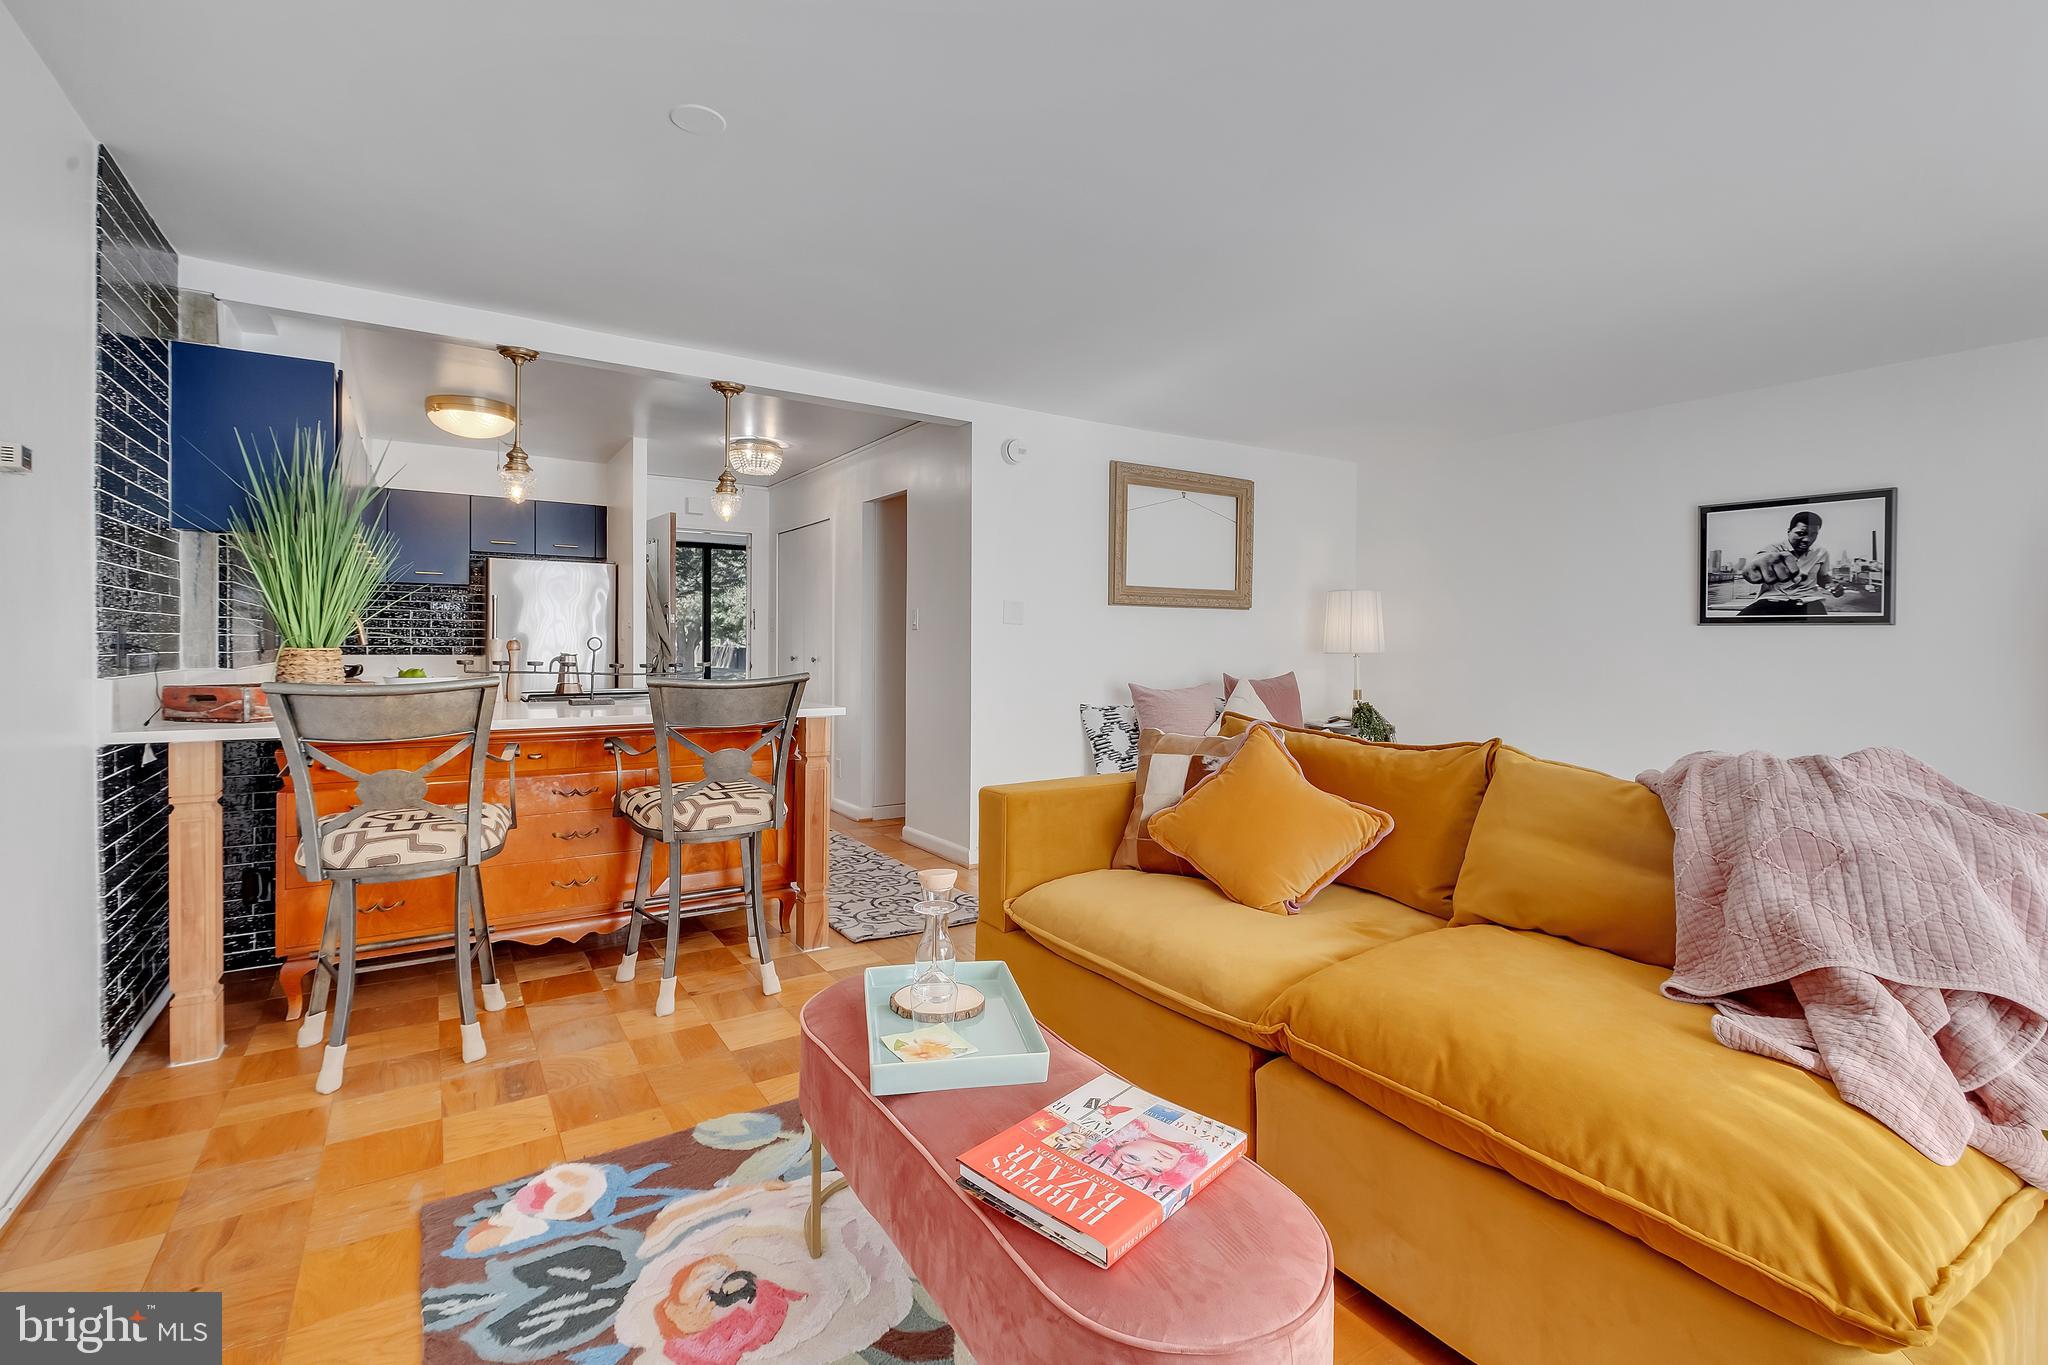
555, 607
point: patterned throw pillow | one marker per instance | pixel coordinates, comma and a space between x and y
1112, 734
1168, 767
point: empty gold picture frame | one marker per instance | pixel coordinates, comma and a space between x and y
1179, 539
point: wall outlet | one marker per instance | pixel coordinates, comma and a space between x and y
14, 458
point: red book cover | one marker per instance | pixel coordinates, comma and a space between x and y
1099, 1169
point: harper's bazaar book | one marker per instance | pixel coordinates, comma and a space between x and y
1100, 1168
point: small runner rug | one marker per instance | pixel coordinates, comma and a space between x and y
687, 1248
875, 896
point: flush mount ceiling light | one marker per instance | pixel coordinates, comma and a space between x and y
517, 472
755, 455
469, 416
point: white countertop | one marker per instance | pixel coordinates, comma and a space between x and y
510, 715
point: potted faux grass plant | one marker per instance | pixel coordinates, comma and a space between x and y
316, 556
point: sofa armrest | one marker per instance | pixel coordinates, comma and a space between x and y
1036, 832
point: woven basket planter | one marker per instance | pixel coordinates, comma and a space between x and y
309, 665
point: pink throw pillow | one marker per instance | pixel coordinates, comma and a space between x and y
1282, 696
1176, 710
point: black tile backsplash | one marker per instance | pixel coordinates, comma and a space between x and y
136, 565
138, 315
247, 635
249, 786
135, 887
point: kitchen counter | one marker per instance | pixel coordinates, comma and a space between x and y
510, 716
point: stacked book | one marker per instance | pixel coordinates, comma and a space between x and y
1099, 1169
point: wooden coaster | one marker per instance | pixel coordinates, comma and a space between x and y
968, 1003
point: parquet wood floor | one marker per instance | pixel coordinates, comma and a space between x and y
302, 1209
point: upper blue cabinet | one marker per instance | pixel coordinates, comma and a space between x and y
498, 526
432, 531
219, 395
568, 530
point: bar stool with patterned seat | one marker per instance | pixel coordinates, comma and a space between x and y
394, 833
728, 804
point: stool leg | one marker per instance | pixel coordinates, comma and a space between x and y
665, 1000
757, 942
757, 918
332, 1061
494, 994
631, 961
315, 1022
465, 924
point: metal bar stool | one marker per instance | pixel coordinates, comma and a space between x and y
394, 833
727, 804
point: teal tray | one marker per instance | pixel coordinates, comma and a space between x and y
1013, 1051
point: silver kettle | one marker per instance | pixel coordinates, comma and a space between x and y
568, 675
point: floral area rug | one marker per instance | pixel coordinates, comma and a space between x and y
683, 1250
875, 896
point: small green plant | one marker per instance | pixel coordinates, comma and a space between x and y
305, 535
1367, 721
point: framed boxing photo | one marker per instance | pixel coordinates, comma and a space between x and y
1823, 560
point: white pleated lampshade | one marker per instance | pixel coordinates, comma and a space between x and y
1352, 622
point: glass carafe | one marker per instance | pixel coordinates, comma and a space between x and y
932, 984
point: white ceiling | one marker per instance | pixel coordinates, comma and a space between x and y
1321, 225
578, 410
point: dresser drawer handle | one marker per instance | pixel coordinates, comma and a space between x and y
573, 882
566, 834
380, 907
574, 791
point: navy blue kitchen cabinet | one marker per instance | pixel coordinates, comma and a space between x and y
499, 526
218, 393
568, 530
432, 531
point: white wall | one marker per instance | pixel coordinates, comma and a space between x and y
624, 493
755, 521
929, 464
447, 469
49, 975
1543, 587
1041, 538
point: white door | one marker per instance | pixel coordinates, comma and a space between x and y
803, 607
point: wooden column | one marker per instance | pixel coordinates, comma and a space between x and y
811, 814
198, 1031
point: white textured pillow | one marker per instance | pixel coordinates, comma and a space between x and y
1245, 701
1112, 735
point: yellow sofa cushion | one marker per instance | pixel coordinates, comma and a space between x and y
1262, 833
1185, 945
1571, 852
1431, 792
1562, 1066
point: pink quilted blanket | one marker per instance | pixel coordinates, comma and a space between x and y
1868, 920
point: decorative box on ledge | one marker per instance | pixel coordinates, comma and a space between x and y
1009, 1049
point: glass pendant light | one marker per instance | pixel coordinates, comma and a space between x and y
517, 472
725, 495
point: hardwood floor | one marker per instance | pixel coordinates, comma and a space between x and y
302, 1209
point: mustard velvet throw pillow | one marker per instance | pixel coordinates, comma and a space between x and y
1262, 834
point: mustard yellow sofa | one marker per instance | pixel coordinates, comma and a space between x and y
1459, 1057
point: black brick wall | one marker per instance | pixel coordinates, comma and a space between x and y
137, 569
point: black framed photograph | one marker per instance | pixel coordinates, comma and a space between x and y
1819, 560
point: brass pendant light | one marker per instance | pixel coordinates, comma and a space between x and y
517, 472
725, 495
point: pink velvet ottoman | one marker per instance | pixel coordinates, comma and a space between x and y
1241, 1275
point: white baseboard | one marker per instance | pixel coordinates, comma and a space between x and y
64, 1117
892, 811
853, 811
945, 848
